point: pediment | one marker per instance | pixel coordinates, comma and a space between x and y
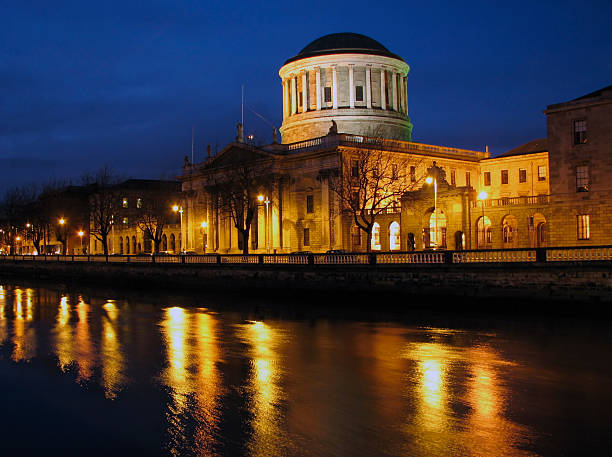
237, 153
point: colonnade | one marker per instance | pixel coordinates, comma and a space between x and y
297, 98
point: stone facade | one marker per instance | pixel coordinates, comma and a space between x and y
516, 200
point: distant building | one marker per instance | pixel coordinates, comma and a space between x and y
344, 94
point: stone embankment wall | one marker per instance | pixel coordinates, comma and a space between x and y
559, 280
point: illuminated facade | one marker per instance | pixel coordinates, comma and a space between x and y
345, 93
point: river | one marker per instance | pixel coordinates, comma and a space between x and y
93, 372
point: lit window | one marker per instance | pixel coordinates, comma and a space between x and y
522, 175
582, 178
542, 173
468, 181
453, 178
412, 174
306, 237
487, 178
584, 226
355, 168
125, 202
327, 94
580, 132
139, 203
358, 93
504, 176
309, 204
375, 241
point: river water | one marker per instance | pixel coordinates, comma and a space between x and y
92, 372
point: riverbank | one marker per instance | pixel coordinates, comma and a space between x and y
575, 281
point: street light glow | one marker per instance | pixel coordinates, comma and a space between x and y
81, 233
175, 208
482, 195
204, 224
260, 198
62, 221
429, 180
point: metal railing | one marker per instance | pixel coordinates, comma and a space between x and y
554, 254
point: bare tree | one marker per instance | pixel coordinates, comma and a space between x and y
14, 213
369, 182
235, 190
104, 203
155, 214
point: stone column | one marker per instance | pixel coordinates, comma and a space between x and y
351, 87
383, 101
293, 95
334, 87
304, 93
368, 87
394, 90
318, 71
285, 99
406, 92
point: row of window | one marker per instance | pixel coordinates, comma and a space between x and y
124, 202
522, 175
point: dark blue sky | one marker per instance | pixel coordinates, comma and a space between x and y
122, 83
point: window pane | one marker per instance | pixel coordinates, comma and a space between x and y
359, 93
504, 176
522, 175
328, 94
487, 178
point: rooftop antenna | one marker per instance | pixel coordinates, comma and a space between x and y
242, 108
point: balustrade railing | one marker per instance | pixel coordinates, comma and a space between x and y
556, 254
393, 145
512, 201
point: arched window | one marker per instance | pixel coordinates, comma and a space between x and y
375, 242
394, 237
437, 229
120, 245
164, 242
134, 244
510, 232
538, 229
483, 233
172, 243
127, 244
139, 248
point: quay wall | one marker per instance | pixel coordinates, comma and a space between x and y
584, 281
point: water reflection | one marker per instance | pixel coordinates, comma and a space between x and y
192, 349
268, 434
222, 384
111, 354
24, 338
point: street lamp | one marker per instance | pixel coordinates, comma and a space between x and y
482, 196
179, 209
430, 180
81, 233
265, 200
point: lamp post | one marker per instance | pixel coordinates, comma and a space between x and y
204, 225
265, 200
62, 222
81, 233
430, 180
179, 209
482, 196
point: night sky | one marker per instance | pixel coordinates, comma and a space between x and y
85, 84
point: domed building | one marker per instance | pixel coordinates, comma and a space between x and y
347, 78
347, 161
